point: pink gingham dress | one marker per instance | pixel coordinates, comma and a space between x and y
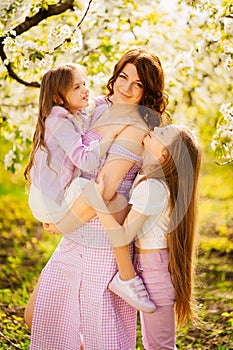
73, 301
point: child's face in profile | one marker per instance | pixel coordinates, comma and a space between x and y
166, 134
78, 94
156, 142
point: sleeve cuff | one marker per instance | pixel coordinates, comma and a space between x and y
91, 135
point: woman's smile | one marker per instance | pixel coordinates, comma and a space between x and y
128, 87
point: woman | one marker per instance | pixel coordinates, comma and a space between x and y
73, 296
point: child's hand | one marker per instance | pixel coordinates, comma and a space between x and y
91, 192
100, 185
51, 228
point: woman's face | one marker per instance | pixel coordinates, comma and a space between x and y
128, 87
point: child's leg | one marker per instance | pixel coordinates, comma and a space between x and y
124, 262
158, 329
127, 285
28, 313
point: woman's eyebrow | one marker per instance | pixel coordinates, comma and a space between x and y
139, 80
124, 73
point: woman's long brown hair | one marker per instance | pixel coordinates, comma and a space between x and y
181, 171
154, 100
54, 87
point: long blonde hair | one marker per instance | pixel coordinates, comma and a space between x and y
181, 171
54, 87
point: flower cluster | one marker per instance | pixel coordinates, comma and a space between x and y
222, 142
192, 38
63, 33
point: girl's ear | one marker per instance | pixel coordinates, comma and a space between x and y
58, 100
163, 156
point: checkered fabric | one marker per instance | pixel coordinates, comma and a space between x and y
56, 318
73, 298
74, 290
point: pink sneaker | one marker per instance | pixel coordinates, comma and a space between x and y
133, 292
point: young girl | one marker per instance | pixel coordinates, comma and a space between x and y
60, 148
162, 221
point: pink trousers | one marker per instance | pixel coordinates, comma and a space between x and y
158, 329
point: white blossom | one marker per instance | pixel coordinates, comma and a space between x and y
228, 25
9, 159
227, 110
9, 136
194, 45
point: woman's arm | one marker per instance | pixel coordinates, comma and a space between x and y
116, 167
114, 170
119, 235
81, 212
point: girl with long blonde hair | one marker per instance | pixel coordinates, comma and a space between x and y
162, 221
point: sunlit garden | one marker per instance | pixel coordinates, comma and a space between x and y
194, 40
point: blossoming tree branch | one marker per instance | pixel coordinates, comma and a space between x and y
192, 38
